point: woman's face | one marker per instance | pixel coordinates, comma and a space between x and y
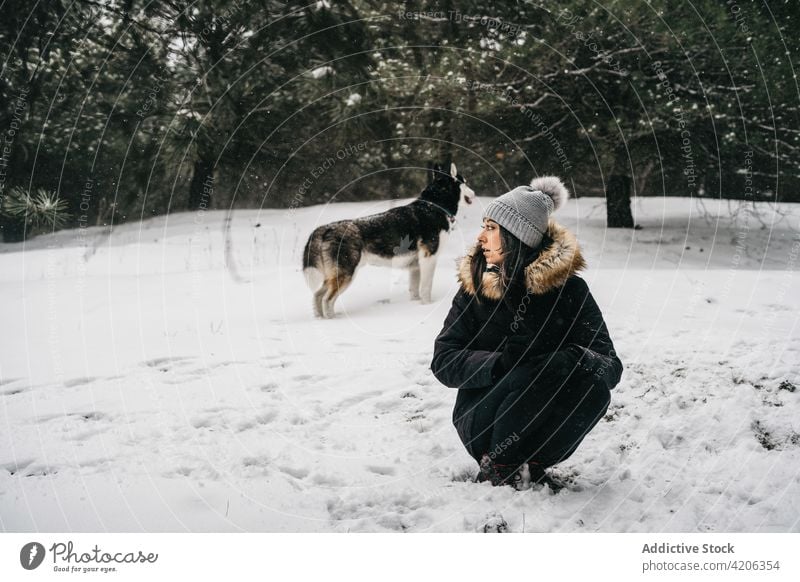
489, 239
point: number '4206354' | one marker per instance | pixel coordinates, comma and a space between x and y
755, 565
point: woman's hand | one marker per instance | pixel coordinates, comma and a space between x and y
556, 367
515, 352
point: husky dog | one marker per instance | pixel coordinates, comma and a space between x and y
409, 236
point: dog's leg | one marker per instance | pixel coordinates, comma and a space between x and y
335, 288
413, 280
319, 294
427, 266
331, 293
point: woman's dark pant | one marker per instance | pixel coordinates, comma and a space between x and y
518, 420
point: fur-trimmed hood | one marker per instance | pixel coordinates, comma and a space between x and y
550, 270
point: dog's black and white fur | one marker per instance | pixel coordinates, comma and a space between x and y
409, 236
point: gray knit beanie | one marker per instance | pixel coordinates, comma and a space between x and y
526, 210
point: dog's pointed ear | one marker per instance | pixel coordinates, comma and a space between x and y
433, 172
447, 163
453, 170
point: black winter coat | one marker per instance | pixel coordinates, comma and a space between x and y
557, 311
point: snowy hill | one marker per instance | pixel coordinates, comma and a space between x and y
145, 386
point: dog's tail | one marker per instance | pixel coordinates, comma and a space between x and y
313, 260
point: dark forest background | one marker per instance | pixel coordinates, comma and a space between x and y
117, 110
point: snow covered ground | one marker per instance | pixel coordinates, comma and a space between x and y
144, 387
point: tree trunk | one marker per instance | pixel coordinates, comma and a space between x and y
618, 202
202, 185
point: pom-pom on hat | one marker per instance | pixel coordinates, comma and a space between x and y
526, 210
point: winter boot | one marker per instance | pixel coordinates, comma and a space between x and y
499, 474
541, 477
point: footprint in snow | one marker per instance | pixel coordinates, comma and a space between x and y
382, 469
245, 425
296, 472
90, 416
213, 409
259, 465
266, 417
15, 467
39, 471
280, 364
93, 415
75, 382
327, 480
306, 378
256, 461
166, 364
298, 419
209, 422
199, 472
100, 463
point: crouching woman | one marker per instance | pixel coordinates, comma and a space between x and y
525, 342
